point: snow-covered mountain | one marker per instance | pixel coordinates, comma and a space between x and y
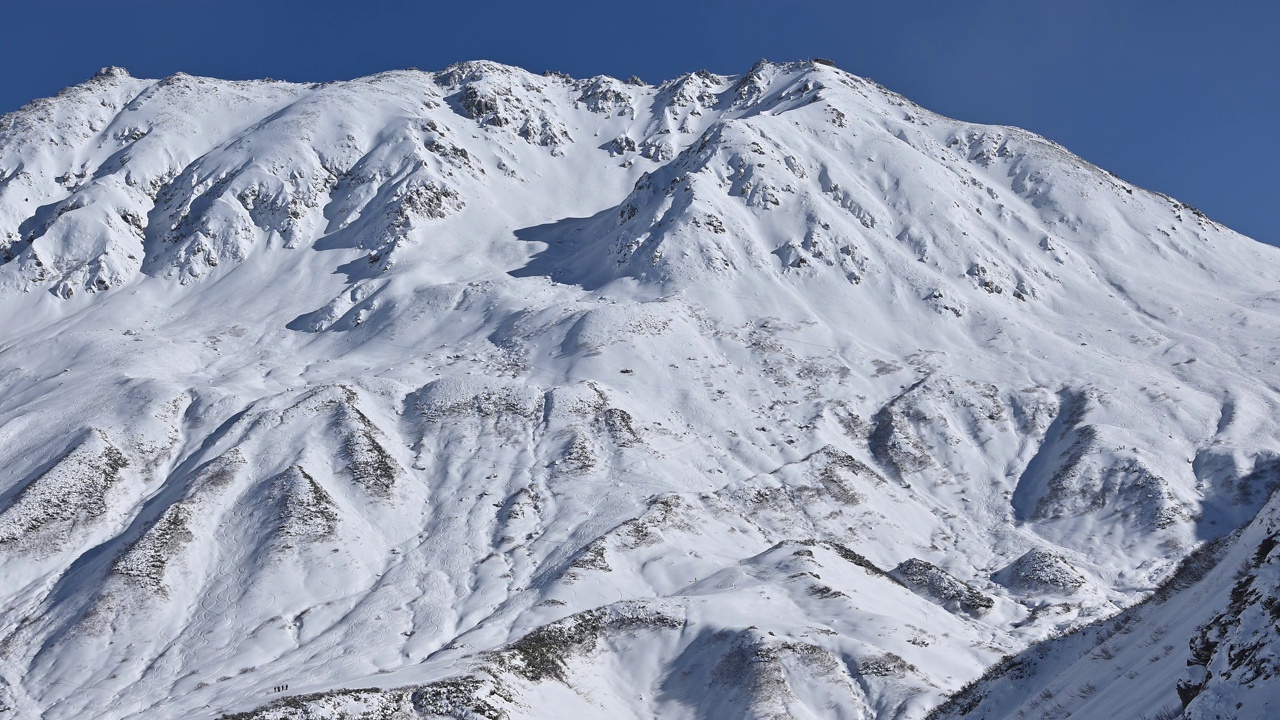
483, 394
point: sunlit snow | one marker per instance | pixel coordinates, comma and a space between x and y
479, 393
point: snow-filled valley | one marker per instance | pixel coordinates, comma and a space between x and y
485, 394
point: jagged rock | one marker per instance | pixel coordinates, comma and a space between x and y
1040, 570
937, 584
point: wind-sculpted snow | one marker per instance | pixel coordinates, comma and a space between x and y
478, 393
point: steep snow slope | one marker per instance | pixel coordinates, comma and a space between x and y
1202, 646
480, 393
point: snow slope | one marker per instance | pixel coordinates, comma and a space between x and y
478, 393
1203, 647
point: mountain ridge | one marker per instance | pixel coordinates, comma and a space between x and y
771, 395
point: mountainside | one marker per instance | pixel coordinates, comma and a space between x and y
483, 394
1210, 632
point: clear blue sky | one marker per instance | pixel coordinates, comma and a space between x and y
1180, 96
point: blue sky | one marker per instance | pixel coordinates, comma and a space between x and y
1174, 95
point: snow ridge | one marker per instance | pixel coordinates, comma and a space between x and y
480, 393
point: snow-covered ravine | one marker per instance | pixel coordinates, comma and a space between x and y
484, 394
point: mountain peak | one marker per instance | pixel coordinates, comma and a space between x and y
770, 394
112, 71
